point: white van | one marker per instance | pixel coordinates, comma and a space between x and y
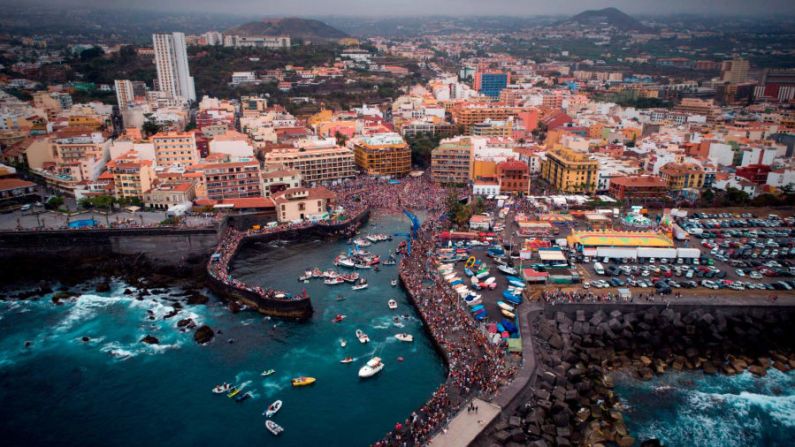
598, 268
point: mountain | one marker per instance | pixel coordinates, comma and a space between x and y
611, 16
296, 28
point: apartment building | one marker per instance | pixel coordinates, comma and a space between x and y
316, 165
382, 154
638, 188
570, 171
451, 161
469, 114
132, 176
175, 149
171, 60
303, 204
679, 176
513, 177
229, 180
279, 180
493, 128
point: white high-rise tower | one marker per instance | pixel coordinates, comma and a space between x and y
171, 58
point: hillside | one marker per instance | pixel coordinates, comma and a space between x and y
611, 16
294, 27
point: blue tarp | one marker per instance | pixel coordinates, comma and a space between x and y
83, 223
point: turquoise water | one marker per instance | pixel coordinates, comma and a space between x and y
117, 391
693, 409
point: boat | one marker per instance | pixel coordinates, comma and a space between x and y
333, 281
468, 272
394, 282
302, 381
506, 306
243, 396
340, 298
343, 343
507, 313
373, 367
343, 261
305, 277
507, 270
390, 260
273, 409
405, 337
346, 360
362, 242
268, 372
362, 284
362, 266
273, 427
234, 392
338, 318
392, 304
223, 388
482, 274
363, 338
350, 277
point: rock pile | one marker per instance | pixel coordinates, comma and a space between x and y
573, 402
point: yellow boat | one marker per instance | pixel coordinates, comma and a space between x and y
303, 381
234, 392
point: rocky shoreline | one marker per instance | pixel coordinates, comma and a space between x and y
573, 401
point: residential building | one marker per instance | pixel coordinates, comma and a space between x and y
735, 71
234, 144
279, 180
171, 59
316, 165
451, 161
638, 188
513, 177
228, 180
383, 154
124, 93
132, 176
485, 188
570, 171
175, 149
680, 176
298, 204
257, 41
493, 128
491, 82
14, 190
165, 195
243, 77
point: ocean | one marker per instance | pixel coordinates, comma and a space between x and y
115, 390
697, 410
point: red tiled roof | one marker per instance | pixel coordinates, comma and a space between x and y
7, 184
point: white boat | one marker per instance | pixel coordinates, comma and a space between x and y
373, 367
273, 427
333, 281
362, 242
345, 262
362, 284
482, 274
343, 343
392, 304
362, 266
363, 338
273, 408
506, 306
507, 270
221, 389
393, 282
405, 337
490, 280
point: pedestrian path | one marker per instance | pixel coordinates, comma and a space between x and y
466, 425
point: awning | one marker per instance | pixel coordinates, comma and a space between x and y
551, 255
617, 252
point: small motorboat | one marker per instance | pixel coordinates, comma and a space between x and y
244, 396
303, 381
343, 343
340, 298
392, 304
405, 337
362, 266
333, 281
346, 360
338, 318
223, 388
235, 390
373, 367
507, 313
268, 372
506, 306
507, 270
394, 282
363, 338
361, 284
273, 409
273, 427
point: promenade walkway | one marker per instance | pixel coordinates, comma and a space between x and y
466, 425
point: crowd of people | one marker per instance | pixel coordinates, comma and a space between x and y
408, 193
560, 296
476, 366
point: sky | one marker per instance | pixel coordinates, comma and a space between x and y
444, 7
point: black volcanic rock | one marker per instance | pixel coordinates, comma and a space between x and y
203, 335
150, 339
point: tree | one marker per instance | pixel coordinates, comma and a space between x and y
54, 203
341, 139
150, 127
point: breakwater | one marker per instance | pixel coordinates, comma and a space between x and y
268, 301
578, 347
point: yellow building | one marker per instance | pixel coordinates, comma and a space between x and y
451, 162
323, 164
681, 176
484, 169
175, 148
382, 154
570, 171
132, 177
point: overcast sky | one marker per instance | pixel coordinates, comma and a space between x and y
445, 7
